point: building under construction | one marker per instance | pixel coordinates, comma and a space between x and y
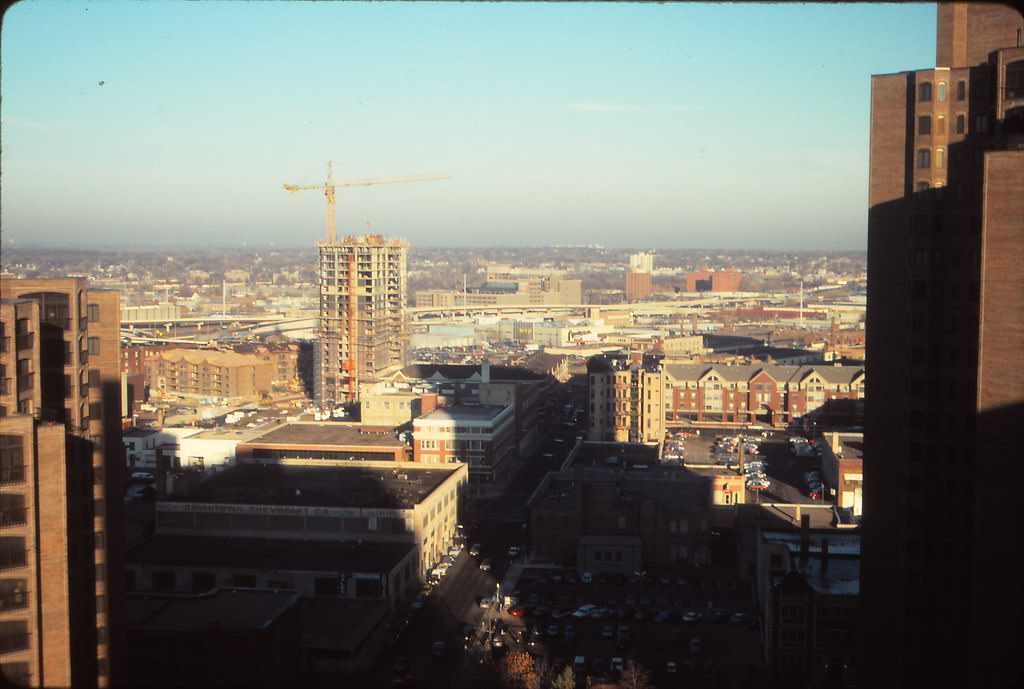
362, 331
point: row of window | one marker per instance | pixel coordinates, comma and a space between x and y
924, 91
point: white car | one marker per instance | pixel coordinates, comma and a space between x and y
486, 602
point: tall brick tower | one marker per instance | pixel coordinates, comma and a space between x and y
945, 350
61, 483
362, 329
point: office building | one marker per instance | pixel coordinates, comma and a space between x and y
638, 277
945, 346
61, 482
727, 280
612, 508
481, 435
362, 329
806, 583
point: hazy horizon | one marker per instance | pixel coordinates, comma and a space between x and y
697, 126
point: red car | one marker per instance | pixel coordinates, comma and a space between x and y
516, 611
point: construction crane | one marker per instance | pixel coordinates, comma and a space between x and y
331, 185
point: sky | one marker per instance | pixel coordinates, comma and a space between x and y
677, 125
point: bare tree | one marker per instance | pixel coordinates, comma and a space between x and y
635, 676
566, 679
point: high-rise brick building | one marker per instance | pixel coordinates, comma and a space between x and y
945, 348
61, 483
362, 331
627, 398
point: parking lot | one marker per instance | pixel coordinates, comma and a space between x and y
680, 626
783, 469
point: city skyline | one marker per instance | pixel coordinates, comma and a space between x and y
641, 105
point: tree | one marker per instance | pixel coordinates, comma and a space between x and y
635, 676
565, 679
519, 671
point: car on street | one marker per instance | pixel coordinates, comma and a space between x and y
691, 617
475, 550
616, 664
738, 618
554, 630
671, 667
485, 564
516, 611
486, 602
513, 551
607, 632
695, 645
439, 649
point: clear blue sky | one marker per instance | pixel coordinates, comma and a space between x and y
646, 125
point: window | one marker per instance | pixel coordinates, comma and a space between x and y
940, 124
924, 91
203, 581
163, 581
940, 158
922, 186
326, 586
960, 124
924, 124
92, 313
244, 580
93, 345
924, 158
940, 92
961, 90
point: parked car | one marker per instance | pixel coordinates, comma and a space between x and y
486, 602
616, 664
475, 550
485, 564
695, 645
516, 611
513, 551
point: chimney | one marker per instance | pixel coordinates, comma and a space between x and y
805, 534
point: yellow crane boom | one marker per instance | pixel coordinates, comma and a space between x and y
331, 185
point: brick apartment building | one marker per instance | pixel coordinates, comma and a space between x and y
626, 396
638, 286
945, 342
61, 481
747, 393
208, 373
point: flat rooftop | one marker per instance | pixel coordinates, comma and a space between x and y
222, 608
466, 412
328, 435
615, 455
400, 487
278, 554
